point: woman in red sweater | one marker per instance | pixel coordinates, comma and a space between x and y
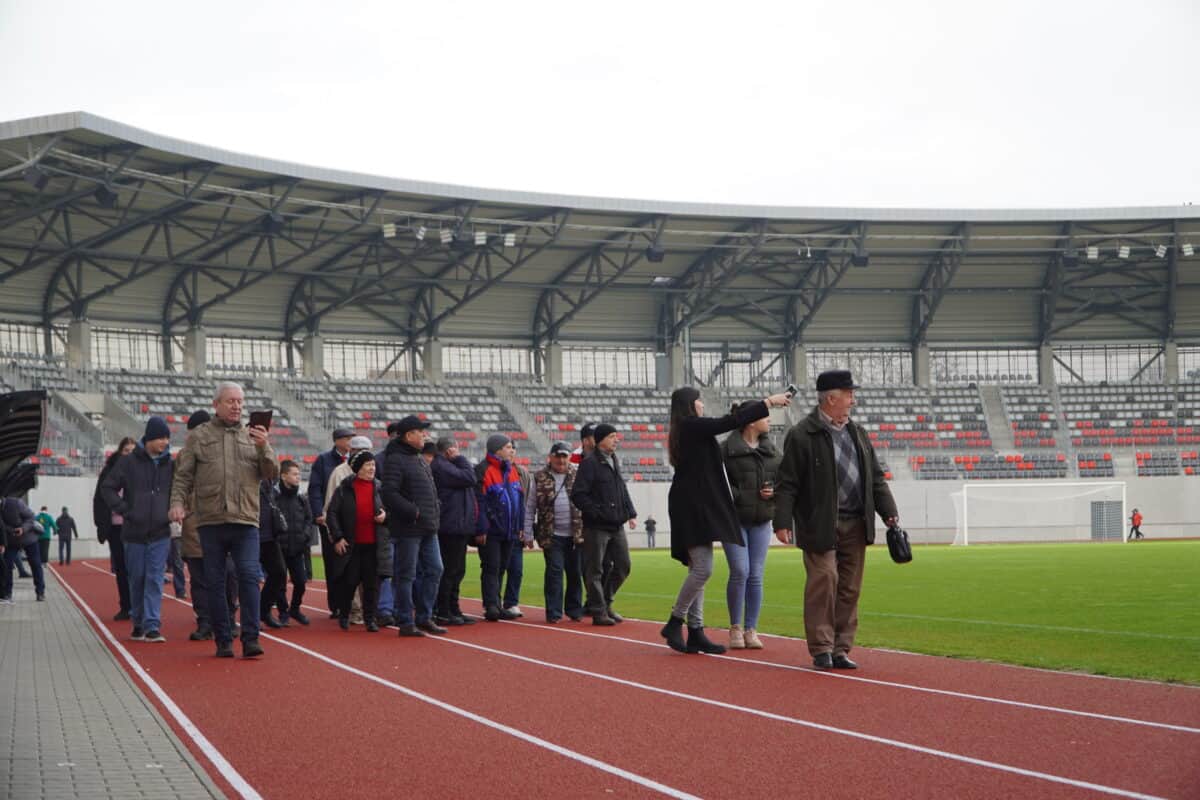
354, 517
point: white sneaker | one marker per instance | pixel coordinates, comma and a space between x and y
737, 640
752, 640
7, 601
515, 610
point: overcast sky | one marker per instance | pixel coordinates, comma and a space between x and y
936, 104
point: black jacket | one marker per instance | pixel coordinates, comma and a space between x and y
455, 482
295, 510
806, 494
748, 469
101, 513
19, 526
271, 522
600, 494
66, 527
139, 489
342, 518
699, 502
409, 493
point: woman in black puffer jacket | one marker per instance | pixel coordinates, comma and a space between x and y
355, 518
751, 462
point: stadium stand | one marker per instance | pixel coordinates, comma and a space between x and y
911, 418
1190, 462
1101, 415
1156, 464
1031, 415
988, 466
1094, 465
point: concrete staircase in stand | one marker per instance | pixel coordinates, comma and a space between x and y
997, 419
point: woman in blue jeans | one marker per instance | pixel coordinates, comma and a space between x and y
751, 462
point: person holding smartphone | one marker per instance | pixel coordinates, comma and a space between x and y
701, 506
751, 462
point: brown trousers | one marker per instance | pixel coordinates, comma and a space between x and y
832, 588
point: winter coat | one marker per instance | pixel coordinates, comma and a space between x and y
409, 493
20, 527
455, 480
49, 526
699, 503
101, 513
501, 499
543, 502
342, 517
806, 493
294, 509
224, 467
748, 469
318, 478
600, 493
271, 522
66, 527
138, 488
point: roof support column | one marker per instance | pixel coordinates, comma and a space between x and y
195, 351
312, 349
79, 344
920, 364
552, 364
669, 368
798, 366
431, 358
1170, 357
1046, 366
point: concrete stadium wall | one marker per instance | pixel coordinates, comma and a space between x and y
1171, 507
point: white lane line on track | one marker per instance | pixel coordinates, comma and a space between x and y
896, 743
462, 712
877, 682
223, 767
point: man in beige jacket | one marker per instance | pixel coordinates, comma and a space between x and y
221, 466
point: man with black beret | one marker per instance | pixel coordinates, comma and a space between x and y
828, 491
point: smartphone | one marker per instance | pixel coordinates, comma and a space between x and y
791, 390
261, 418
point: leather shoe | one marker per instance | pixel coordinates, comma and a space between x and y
296, 615
491, 614
251, 649
372, 627
431, 627
120, 616
841, 662
603, 619
270, 621
463, 619
614, 616
201, 634
575, 617
344, 623
823, 661
410, 630
224, 649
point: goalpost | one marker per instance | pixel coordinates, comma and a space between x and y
1040, 511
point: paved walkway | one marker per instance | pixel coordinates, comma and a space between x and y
72, 723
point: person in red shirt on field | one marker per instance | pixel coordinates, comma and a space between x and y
1135, 522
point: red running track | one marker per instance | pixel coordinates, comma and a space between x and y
526, 710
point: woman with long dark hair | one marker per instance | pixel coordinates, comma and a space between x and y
701, 506
108, 528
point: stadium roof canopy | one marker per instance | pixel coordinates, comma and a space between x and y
111, 223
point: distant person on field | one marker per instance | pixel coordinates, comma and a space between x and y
1135, 522
651, 526
108, 528
751, 462
454, 477
830, 489
49, 528
603, 500
224, 461
138, 488
67, 529
556, 522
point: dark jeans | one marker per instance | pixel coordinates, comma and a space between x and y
600, 546
64, 545
271, 558
454, 569
514, 571
240, 542
332, 594
562, 557
417, 572
175, 567
201, 591
33, 554
493, 557
296, 568
44, 550
361, 568
116, 550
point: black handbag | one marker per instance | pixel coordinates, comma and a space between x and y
897, 542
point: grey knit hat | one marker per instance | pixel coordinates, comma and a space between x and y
496, 441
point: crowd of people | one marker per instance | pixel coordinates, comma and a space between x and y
395, 526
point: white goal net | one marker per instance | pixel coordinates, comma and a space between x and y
1040, 511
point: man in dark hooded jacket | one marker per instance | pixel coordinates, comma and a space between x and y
454, 477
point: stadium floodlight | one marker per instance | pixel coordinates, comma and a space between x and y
446, 235
272, 222
804, 250
36, 178
389, 230
420, 233
1070, 257
861, 256
1188, 250
662, 280
1161, 251
655, 254
510, 240
1093, 252
480, 238
1123, 251
106, 196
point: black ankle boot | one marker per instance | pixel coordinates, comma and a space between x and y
673, 633
697, 642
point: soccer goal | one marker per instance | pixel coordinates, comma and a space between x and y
1040, 511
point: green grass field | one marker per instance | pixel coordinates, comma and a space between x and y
1130, 610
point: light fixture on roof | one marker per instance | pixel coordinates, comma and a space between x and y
389, 230
272, 222
1093, 252
861, 256
480, 238
804, 250
1188, 250
1161, 251
1070, 257
655, 254
510, 240
446, 235
106, 196
35, 177
1123, 251
420, 233
662, 280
